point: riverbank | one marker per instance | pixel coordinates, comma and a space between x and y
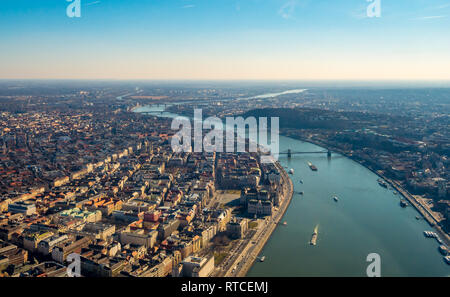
251, 252
410, 198
403, 192
285, 256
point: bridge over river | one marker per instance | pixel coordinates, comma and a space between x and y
289, 152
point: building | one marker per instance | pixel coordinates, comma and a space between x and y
100, 266
85, 215
99, 230
236, 228
195, 267
46, 246
46, 269
62, 250
248, 194
11, 255
167, 228
22, 207
127, 216
139, 237
259, 207
207, 233
32, 240
259, 201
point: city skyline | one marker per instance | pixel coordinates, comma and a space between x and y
225, 40
248, 142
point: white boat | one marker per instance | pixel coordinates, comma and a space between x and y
314, 236
443, 250
430, 234
291, 171
335, 198
447, 259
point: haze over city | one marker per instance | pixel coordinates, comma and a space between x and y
224, 146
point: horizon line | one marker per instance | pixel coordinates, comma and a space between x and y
237, 79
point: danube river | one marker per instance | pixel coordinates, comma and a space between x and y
366, 219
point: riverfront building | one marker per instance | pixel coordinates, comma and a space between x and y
237, 228
195, 267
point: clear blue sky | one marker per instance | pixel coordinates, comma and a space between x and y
225, 39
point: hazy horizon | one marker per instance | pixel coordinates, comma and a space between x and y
255, 82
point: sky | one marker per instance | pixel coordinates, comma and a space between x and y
225, 40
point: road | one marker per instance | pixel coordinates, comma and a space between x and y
428, 215
242, 256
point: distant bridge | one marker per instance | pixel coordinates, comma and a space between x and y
289, 153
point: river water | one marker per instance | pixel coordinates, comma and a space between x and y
366, 219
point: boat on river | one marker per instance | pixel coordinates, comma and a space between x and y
312, 167
447, 260
403, 203
314, 236
382, 183
444, 250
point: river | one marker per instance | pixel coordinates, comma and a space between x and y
366, 219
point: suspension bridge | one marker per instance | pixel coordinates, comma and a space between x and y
289, 153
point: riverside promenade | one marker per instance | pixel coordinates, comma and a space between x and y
426, 214
244, 260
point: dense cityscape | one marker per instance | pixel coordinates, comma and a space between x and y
224, 148
83, 173
104, 183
